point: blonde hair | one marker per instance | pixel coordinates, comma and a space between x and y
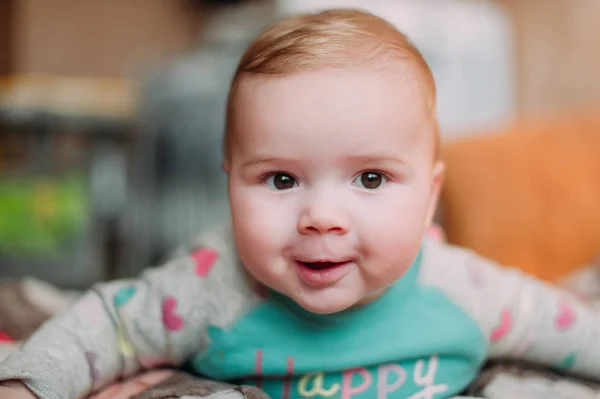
335, 38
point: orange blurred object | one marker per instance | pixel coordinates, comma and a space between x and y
528, 196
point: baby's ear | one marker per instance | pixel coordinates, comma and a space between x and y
226, 165
439, 170
437, 181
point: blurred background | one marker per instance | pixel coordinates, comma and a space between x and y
111, 112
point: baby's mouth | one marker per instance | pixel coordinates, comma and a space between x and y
322, 273
321, 265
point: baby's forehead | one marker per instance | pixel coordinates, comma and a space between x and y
329, 100
394, 97
412, 79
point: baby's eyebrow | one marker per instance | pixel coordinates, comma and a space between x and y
376, 158
352, 159
262, 160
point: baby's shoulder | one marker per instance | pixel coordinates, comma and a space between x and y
453, 267
227, 289
438, 254
214, 257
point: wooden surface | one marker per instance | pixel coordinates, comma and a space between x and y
99, 38
558, 54
6, 7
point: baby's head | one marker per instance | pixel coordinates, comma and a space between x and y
332, 154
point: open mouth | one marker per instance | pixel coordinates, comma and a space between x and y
319, 275
321, 265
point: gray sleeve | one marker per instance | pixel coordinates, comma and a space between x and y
521, 316
116, 329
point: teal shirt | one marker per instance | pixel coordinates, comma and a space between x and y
412, 342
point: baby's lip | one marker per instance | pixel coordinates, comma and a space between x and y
326, 260
321, 265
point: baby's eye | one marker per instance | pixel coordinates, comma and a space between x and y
281, 181
370, 180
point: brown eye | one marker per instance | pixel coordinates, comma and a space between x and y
281, 181
370, 180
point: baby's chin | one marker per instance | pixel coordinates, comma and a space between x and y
327, 302
333, 299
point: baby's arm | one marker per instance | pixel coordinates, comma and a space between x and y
521, 316
115, 330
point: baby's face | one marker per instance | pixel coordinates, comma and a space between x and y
332, 182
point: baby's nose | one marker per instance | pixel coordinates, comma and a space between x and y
323, 217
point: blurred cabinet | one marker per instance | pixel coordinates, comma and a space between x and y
63, 168
67, 69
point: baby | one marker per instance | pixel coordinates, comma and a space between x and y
323, 285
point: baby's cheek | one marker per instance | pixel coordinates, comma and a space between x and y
259, 242
391, 252
260, 230
261, 217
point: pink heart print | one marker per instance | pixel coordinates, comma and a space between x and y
171, 320
204, 258
565, 317
502, 329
